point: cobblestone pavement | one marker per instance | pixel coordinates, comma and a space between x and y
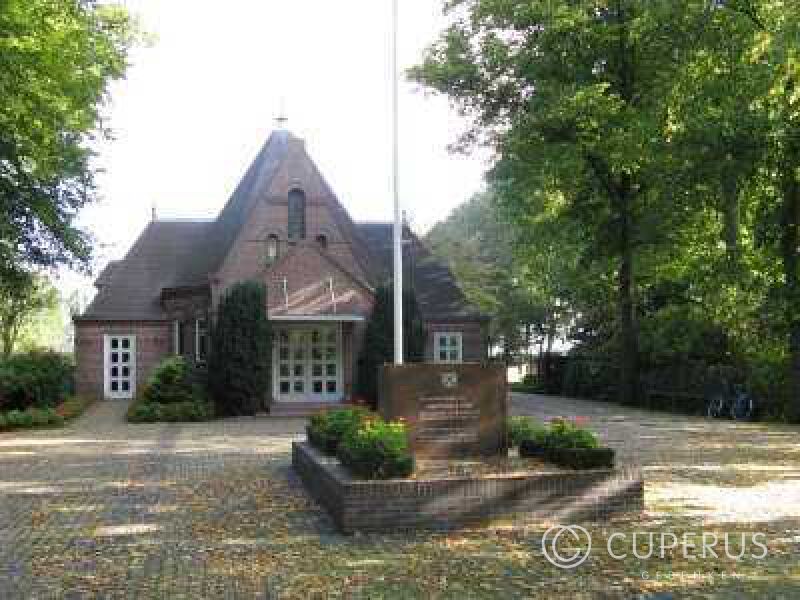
104, 509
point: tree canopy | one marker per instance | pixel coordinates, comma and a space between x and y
648, 154
57, 59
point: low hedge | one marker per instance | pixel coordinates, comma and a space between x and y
580, 458
43, 417
328, 428
377, 450
565, 443
188, 411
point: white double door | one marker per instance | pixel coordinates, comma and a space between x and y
307, 363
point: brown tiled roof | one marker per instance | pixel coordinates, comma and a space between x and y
435, 288
131, 290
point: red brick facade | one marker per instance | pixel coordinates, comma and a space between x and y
326, 274
153, 344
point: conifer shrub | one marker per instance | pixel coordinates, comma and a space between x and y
170, 382
378, 348
239, 363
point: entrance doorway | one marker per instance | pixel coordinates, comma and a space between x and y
307, 363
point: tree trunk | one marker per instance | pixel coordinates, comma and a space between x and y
629, 342
730, 192
791, 260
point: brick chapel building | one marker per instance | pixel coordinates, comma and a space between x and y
285, 227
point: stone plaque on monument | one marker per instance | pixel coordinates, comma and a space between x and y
452, 410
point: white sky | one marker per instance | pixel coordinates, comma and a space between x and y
198, 104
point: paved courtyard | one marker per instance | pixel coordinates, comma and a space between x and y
103, 509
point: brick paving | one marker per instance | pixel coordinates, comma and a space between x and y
104, 509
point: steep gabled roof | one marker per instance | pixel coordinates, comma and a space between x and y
181, 254
131, 289
435, 287
222, 234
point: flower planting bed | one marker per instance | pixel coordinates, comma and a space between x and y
452, 502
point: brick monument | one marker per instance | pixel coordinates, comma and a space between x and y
452, 410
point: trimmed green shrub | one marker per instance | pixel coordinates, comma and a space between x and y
565, 434
581, 458
188, 411
377, 450
38, 378
328, 428
239, 363
524, 428
170, 382
378, 348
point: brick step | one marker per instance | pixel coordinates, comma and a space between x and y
302, 409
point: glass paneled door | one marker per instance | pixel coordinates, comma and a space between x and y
308, 364
119, 366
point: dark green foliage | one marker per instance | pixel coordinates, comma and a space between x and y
524, 428
171, 382
378, 346
239, 363
530, 384
377, 450
59, 58
565, 443
580, 458
328, 428
41, 379
565, 434
30, 417
189, 411
589, 377
174, 393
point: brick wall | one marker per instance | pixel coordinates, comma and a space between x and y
521, 498
247, 257
153, 344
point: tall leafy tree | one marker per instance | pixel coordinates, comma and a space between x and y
572, 96
57, 59
735, 129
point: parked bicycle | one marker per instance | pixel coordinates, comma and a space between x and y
731, 401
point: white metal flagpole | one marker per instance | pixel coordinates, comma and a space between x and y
398, 215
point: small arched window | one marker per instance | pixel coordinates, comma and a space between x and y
322, 241
272, 248
297, 215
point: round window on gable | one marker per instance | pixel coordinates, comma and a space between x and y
322, 241
272, 248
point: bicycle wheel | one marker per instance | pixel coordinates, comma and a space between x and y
742, 407
715, 406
